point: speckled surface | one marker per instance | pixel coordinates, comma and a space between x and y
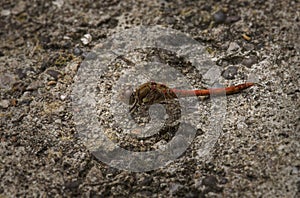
257, 155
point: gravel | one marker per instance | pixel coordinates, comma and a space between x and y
257, 154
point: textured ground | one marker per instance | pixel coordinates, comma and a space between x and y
257, 155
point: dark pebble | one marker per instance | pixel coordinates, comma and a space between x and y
224, 180
45, 39
146, 181
211, 184
207, 7
26, 101
210, 181
72, 184
19, 86
219, 17
21, 74
53, 73
248, 62
1, 53
77, 51
232, 19
44, 65
230, 72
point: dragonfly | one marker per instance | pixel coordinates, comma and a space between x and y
152, 92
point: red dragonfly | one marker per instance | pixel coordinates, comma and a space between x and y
152, 92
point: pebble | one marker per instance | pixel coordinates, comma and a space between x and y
246, 37
21, 74
94, 175
5, 12
232, 19
4, 104
248, 62
86, 39
53, 73
13, 102
77, 51
233, 46
58, 3
210, 181
230, 72
19, 8
34, 85
52, 82
63, 97
219, 17
6, 81
248, 46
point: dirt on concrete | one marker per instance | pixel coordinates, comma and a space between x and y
42, 46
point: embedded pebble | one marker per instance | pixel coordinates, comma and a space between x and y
232, 19
210, 181
77, 51
4, 103
219, 17
19, 7
21, 73
230, 72
5, 12
233, 46
63, 97
34, 85
86, 39
6, 81
248, 62
54, 74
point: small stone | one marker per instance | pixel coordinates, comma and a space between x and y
246, 37
223, 180
63, 97
248, 62
6, 81
13, 102
66, 37
53, 73
58, 3
86, 39
19, 8
232, 19
4, 104
21, 74
51, 83
34, 85
94, 175
219, 17
19, 86
210, 181
230, 72
77, 51
248, 46
5, 12
233, 46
